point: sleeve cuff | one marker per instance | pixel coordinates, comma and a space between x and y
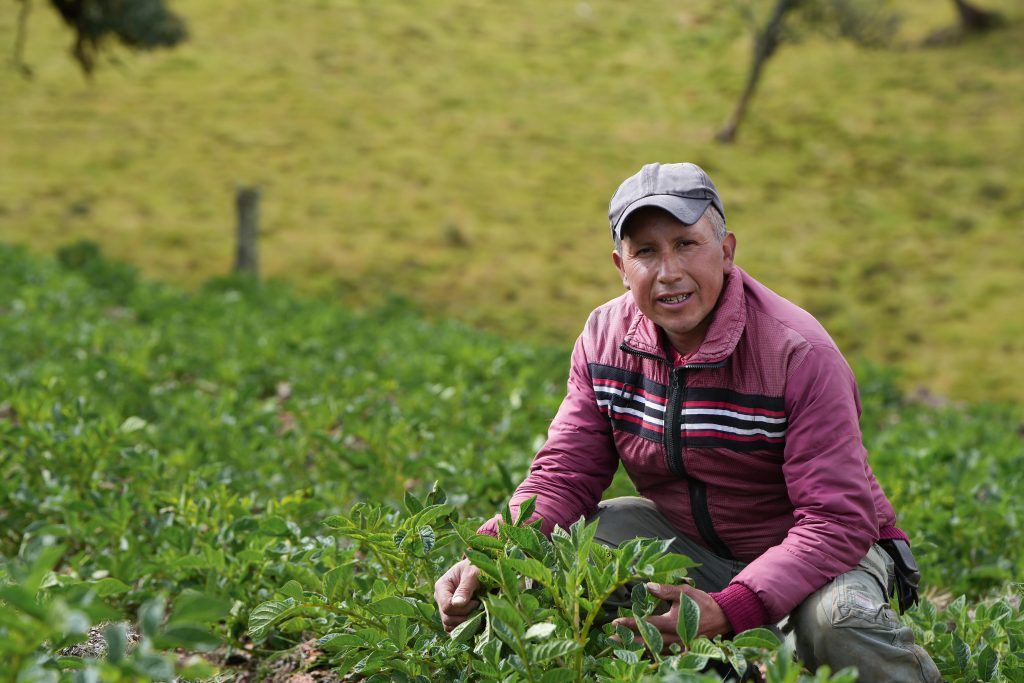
742, 607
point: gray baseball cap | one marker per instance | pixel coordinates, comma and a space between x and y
684, 190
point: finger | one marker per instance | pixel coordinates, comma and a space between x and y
468, 584
450, 622
663, 591
461, 610
628, 622
665, 624
691, 591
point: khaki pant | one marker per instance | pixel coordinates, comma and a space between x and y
846, 622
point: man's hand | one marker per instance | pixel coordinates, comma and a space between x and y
713, 621
453, 593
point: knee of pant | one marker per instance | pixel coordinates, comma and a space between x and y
812, 629
848, 623
623, 504
621, 519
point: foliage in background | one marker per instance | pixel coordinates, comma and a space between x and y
462, 153
246, 446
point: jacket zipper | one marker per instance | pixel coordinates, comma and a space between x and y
698, 489
674, 442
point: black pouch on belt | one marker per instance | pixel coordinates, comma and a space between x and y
908, 576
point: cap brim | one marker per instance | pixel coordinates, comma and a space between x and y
687, 211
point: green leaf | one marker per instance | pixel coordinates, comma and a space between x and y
292, 589
267, 614
736, 659
759, 638
110, 586
688, 619
641, 602
334, 581
501, 609
526, 509
25, 602
394, 606
157, 667
412, 503
702, 647
559, 675
196, 607
430, 514
190, 562
133, 424
398, 631
436, 495
196, 669
187, 636
526, 537
151, 613
551, 649
274, 526
652, 637
540, 631
691, 661
484, 564
962, 652
628, 656
485, 670
988, 663
427, 537
469, 628
670, 567
116, 638
531, 568
485, 541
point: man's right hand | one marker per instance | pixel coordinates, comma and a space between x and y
454, 591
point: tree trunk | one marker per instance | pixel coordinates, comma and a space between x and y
19, 39
974, 19
765, 44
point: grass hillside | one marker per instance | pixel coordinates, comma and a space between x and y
461, 154
241, 447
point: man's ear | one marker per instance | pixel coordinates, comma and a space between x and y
728, 252
617, 260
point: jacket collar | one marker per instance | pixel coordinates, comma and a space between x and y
727, 323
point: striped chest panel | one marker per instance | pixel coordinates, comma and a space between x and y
711, 417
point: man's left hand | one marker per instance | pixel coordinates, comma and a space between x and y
713, 621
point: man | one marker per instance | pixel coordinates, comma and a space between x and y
737, 419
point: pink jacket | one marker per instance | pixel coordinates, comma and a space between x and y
751, 446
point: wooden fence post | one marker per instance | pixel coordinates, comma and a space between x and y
247, 203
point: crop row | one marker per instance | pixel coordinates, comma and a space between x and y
189, 463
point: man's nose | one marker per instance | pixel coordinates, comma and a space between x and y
670, 269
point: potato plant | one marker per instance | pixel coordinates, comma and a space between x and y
544, 612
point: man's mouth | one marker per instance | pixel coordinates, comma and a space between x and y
674, 299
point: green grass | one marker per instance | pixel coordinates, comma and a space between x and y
461, 154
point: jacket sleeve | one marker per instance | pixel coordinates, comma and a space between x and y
576, 463
834, 518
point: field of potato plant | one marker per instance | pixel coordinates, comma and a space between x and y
243, 484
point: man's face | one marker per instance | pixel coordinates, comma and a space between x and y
675, 272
